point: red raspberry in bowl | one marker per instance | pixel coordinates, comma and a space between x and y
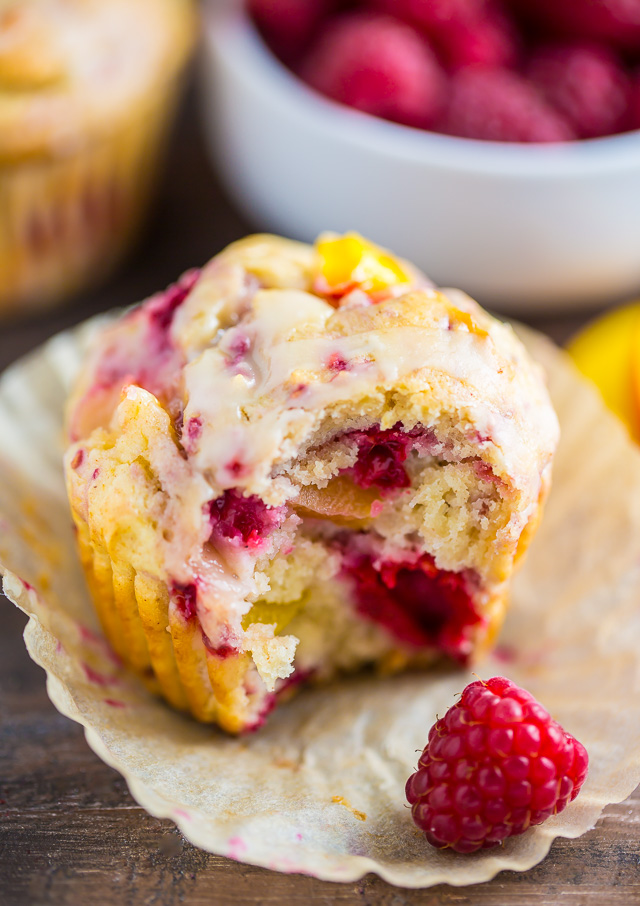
465, 32
499, 105
615, 21
586, 83
288, 25
490, 42
495, 765
433, 15
378, 65
634, 105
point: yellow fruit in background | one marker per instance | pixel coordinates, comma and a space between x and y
608, 352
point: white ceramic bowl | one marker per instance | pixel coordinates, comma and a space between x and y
522, 228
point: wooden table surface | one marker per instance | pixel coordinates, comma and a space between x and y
70, 833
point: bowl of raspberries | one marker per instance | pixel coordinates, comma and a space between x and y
495, 142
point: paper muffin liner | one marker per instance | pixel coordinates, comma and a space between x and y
320, 788
147, 630
66, 221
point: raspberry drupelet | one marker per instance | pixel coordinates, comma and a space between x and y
495, 764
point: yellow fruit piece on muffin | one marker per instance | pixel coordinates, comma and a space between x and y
351, 262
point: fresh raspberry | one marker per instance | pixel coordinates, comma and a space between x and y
615, 21
490, 42
498, 105
433, 15
495, 765
464, 32
380, 66
288, 25
586, 83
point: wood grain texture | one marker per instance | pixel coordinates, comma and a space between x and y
70, 833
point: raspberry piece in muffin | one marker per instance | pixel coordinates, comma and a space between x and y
616, 22
298, 462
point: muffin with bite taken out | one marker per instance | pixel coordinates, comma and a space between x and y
299, 461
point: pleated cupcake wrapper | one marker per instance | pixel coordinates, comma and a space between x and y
66, 221
148, 632
320, 788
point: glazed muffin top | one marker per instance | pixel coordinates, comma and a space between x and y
70, 69
275, 340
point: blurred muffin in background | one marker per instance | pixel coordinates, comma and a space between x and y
87, 93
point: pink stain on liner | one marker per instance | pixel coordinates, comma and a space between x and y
115, 659
114, 703
287, 866
92, 638
506, 654
237, 848
88, 635
98, 678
